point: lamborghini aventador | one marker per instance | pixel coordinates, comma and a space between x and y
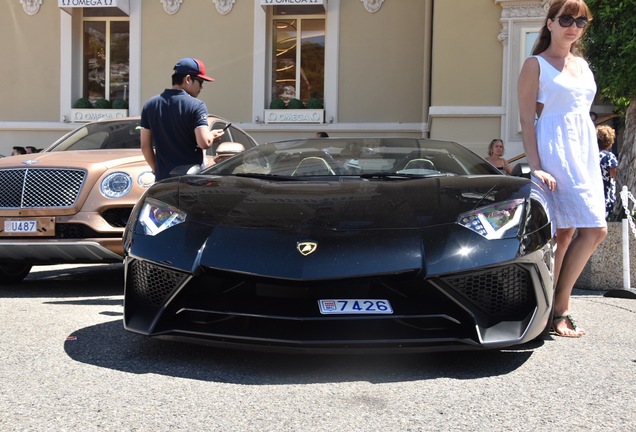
342, 245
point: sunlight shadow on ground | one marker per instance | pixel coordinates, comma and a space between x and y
108, 345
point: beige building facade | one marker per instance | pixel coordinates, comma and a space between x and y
443, 69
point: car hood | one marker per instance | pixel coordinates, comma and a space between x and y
362, 227
350, 204
75, 159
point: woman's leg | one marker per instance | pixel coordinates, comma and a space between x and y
573, 262
563, 239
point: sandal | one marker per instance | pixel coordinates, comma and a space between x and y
572, 324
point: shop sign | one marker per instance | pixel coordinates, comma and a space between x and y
79, 115
295, 116
292, 2
123, 5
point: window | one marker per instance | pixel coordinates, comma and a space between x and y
298, 54
105, 65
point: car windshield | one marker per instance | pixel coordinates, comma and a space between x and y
361, 157
108, 135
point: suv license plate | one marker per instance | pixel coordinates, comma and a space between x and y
354, 306
21, 226
33, 227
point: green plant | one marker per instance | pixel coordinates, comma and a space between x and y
120, 104
82, 103
295, 104
277, 103
102, 103
314, 103
610, 47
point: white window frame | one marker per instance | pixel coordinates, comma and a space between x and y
262, 73
71, 55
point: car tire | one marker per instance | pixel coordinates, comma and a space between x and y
11, 273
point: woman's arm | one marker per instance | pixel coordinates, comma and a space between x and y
527, 93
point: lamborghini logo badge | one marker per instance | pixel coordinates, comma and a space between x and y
306, 248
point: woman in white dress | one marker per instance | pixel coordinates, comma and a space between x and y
556, 88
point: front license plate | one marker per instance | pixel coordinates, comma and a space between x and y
354, 306
38, 226
25, 226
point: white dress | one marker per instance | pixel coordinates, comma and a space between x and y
567, 144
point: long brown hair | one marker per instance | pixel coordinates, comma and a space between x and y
570, 7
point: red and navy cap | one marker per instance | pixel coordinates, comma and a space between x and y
192, 66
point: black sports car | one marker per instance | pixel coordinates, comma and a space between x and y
322, 245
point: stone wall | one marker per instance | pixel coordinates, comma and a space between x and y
604, 271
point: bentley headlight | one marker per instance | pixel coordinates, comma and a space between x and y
116, 185
156, 216
146, 179
494, 221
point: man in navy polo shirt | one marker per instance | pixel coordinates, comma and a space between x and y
174, 123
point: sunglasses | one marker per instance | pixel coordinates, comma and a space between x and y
197, 79
568, 20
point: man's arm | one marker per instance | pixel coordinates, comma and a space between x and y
205, 137
146, 148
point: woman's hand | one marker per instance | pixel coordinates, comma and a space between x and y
545, 178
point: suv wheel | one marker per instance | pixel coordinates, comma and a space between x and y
11, 273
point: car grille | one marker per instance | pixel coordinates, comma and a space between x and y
117, 217
40, 187
153, 284
441, 311
499, 292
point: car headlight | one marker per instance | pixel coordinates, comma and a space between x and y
494, 221
156, 216
116, 185
146, 179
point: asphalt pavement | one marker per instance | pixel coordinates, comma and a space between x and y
66, 364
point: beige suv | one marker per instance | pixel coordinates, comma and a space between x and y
70, 203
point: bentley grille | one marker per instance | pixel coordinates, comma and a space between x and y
40, 187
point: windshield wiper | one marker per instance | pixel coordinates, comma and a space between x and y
401, 176
385, 176
267, 176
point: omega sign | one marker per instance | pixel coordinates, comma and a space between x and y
291, 2
87, 3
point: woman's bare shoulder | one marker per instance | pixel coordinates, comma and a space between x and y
531, 62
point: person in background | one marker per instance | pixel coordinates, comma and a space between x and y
175, 128
606, 136
495, 156
31, 149
593, 116
322, 135
18, 150
557, 86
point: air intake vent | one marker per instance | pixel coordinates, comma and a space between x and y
499, 292
152, 284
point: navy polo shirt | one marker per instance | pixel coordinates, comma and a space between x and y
172, 118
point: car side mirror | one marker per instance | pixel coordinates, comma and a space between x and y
182, 170
521, 170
